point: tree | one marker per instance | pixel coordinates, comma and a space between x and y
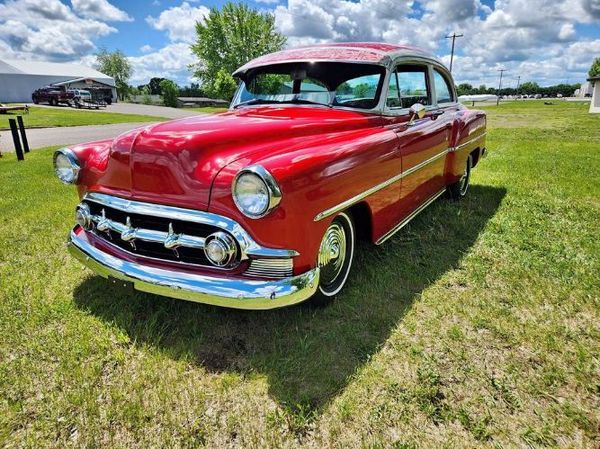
169, 90
228, 39
116, 65
464, 89
595, 68
530, 87
223, 85
154, 86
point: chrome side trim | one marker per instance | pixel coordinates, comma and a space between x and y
249, 248
414, 213
219, 291
355, 199
468, 142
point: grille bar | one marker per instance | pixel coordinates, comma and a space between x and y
169, 240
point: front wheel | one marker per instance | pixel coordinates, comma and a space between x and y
459, 189
335, 258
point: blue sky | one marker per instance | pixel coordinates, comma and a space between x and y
539, 40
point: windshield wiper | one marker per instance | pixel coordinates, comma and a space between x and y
255, 101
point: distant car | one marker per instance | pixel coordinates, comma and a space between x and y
84, 95
260, 207
53, 95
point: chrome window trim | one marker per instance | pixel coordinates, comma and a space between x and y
249, 248
407, 220
355, 199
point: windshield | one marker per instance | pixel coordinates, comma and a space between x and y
324, 83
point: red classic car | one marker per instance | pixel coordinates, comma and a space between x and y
260, 207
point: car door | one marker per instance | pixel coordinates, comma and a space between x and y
421, 142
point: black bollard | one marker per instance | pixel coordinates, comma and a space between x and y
23, 135
16, 140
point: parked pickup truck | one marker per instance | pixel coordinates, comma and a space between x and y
53, 95
260, 207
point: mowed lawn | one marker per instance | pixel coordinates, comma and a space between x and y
65, 116
478, 325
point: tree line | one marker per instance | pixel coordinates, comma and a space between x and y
527, 88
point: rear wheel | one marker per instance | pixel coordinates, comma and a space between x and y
335, 258
459, 189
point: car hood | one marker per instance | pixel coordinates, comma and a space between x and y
175, 162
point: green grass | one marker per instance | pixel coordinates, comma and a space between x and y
208, 109
65, 116
475, 326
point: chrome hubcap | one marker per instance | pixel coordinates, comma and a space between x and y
332, 253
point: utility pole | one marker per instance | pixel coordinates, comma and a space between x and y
518, 84
499, 86
453, 36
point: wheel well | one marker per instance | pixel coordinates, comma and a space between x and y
361, 215
476, 154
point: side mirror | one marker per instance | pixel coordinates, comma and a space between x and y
416, 111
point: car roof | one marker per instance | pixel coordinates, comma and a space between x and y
356, 52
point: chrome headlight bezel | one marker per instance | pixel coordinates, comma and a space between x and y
270, 184
71, 161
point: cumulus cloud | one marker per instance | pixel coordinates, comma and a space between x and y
171, 62
179, 21
47, 29
517, 34
100, 9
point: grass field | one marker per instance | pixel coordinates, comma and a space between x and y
476, 326
64, 116
208, 109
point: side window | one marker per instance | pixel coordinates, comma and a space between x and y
393, 97
443, 92
409, 83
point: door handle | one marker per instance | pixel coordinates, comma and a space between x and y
435, 114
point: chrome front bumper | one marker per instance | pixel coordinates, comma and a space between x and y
219, 291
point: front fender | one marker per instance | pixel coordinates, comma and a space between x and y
313, 180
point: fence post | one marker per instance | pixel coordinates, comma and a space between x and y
23, 135
16, 140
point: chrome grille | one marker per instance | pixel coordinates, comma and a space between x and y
176, 234
270, 268
162, 238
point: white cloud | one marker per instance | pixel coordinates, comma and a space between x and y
47, 30
268, 2
169, 62
146, 48
101, 10
518, 34
179, 21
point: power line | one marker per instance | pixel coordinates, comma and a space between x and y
453, 36
499, 86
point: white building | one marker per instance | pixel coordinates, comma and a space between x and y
595, 103
18, 79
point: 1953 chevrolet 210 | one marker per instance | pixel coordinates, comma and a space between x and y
260, 207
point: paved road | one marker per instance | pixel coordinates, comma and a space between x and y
130, 108
45, 137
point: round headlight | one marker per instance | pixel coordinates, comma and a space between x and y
66, 166
83, 216
255, 191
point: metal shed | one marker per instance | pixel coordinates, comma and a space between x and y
18, 79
